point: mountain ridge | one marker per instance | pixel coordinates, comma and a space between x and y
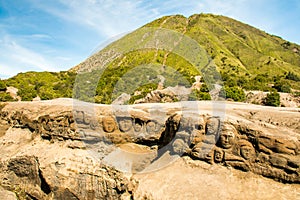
208, 21
243, 56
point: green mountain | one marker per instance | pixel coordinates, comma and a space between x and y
172, 51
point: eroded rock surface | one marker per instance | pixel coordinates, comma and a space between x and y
62, 149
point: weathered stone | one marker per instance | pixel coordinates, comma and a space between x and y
109, 124
227, 136
7, 195
278, 161
125, 123
70, 165
25, 167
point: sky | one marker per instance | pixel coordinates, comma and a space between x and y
39, 35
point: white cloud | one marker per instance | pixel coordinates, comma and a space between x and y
107, 17
6, 71
39, 36
15, 57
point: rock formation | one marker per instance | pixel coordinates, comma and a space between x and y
62, 149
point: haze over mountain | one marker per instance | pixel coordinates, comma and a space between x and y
244, 56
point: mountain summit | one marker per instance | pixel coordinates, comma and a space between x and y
234, 46
238, 54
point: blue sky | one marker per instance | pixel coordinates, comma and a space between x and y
38, 35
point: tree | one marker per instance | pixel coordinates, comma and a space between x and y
5, 97
197, 95
2, 85
235, 93
282, 86
292, 76
272, 99
27, 93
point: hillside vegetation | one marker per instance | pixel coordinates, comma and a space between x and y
244, 57
46, 85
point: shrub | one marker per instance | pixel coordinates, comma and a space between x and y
272, 99
282, 86
292, 76
235, 93
4, 97
204, 88
197, 95
2, 85
27, 93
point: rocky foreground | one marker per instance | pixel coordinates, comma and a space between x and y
65, 149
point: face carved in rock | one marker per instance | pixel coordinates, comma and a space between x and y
247, 151
179, 146
151, 127
212, 126
125, 124
109, 124
218, 155
137, 126
79, 117
227, 137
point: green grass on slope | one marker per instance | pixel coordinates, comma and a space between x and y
46, 85
243, 57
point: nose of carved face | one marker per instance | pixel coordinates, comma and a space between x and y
246, 153
109, 127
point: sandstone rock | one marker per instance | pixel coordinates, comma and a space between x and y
52, 150
7, 195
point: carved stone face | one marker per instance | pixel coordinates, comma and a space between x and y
179, 146
212, 126
247, 152
137, 127
109, 124
227, 138
79, 117
125, 124
151, 127
218, 156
